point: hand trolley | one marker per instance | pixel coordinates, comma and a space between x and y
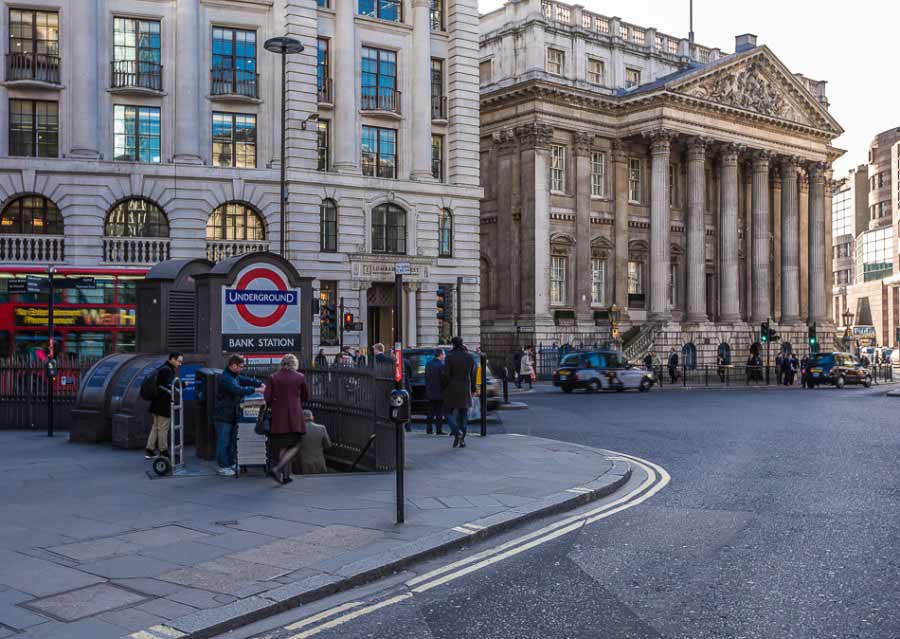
174, 464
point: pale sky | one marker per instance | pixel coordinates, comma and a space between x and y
852, 45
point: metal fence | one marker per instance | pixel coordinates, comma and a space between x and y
736, 375
23, 391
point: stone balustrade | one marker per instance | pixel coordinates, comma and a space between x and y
133, 251
32, 249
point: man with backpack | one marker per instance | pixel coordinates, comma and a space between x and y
157, 389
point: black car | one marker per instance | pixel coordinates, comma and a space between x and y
837, 369
600, 370
418, 359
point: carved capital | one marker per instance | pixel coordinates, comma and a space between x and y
536, 135
584, 142
817, 171
660, 141
729, 152
803, 181
618, 151
505, 140
789, 165
775, 175
761, 161
697, 148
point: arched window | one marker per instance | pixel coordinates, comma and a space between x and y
445, 233
31, 215
235, 221
724, 353
689, 356
389, 229
136, 218
328, 226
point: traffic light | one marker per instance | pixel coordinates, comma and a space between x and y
773, 335
813, 339
348, 321
328, 315
441, 302
764, 332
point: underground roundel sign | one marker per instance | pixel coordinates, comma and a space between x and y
260, 312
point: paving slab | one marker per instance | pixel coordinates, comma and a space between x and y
206, 554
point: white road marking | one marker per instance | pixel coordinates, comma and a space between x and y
577, 490
334, 623
323, 615
474, 526
462, 530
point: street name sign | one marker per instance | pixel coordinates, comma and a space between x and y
402, 268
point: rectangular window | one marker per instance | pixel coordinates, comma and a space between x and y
598, 282
33, 52
632, 78
379, 80
389, 230
673, 185
328, 226
328, 313
635, 278
136, 134
33, 128
842, 221
596, 71
136, 54
634, 180
437, 157
445, 233
558, 280
484, 72
874, 255
379, 152
323, 138
234, 62
322, 3
438, 101
598, 174
437, 15
556, 61
390, 10
323, 73
234, 140
673, 285
557, 168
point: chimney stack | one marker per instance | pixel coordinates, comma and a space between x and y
744, 42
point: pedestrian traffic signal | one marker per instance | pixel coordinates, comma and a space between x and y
441, 302
764, 332
328, 316
348, 321
813, 338
773, 335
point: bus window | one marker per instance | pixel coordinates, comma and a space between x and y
88, 344
125, 342
128, 289
34, 344
102, 293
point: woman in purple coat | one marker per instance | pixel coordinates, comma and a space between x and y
285, 393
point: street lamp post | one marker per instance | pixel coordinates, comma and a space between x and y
615, 313
283, 45
848, 320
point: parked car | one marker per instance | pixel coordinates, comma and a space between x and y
600, 370
418, 359
838, 369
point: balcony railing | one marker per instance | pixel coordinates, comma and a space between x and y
32, 249
217, 250
324, 94
234, 82
439, 107
135, 74
39, 67
381, 100
135, 250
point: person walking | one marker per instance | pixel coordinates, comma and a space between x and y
648, 361
804, 372
285, 394
313, 446
794, 368
779, 368
458, 382
321, 359
517, 366
720, 367
434, 391
231, 389
161, 406
784, 370
526, 368
673, 366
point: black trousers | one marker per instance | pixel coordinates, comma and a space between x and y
435, 414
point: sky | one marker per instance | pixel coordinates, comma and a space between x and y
851, 45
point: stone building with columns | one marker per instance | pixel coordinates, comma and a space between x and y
133, 131
624, 166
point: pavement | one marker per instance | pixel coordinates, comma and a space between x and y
91, 546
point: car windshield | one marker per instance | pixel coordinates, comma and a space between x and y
418, 361
824, 359
571, 360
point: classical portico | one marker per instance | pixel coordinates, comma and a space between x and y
706, 191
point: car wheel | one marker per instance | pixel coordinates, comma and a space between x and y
594, 386
645, 386
810, 385
566, 389
867, 382
840, 382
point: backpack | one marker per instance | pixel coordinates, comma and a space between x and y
149, 387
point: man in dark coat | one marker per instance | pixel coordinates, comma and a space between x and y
231, 389
517, 362
673, 366
458, 381
161, 406
434, 392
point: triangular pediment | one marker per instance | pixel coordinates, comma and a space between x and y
756, 81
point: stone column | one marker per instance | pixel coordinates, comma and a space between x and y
583, 272
346, 136
829, 253
535, 223
660, 247
85, 98
420, 105
729, 296
620, 263
696, 232
790, 244
412, 323
505, 146
762, 302
803, 230
775, 244
187, 82
817, 304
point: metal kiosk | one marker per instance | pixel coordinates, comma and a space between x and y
163, 465
250, 449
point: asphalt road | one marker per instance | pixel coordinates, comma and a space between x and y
781, 521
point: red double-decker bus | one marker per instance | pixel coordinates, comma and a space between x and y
87, 323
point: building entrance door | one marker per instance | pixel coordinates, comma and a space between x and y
380, 318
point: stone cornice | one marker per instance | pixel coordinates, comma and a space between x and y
535, 135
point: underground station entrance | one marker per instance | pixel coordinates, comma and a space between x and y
255, 305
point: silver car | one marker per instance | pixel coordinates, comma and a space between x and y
601, 370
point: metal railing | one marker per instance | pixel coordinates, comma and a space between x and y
32, 66
324, 93
439, 107
234, 82
709, 376
135, 74
32, 249
135, 250
23, 391
217, 250
641, 343
380, 100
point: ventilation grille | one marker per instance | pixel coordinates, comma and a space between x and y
182, 327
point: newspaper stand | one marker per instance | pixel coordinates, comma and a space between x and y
175, 462
251, 450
